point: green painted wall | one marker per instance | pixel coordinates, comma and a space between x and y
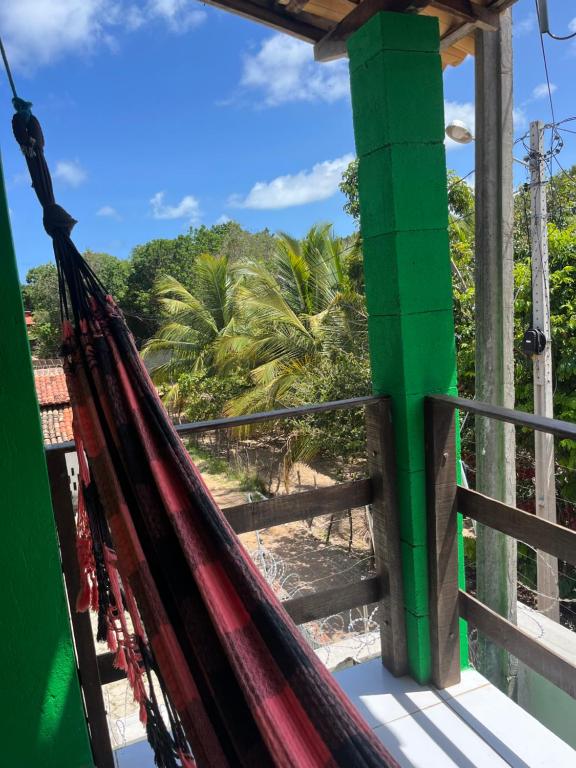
397, 100
41, 717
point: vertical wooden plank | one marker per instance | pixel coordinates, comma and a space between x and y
442, 542
382, 470
83, 637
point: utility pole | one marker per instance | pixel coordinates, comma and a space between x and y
494, 280
546, 565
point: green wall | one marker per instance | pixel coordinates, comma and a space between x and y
41, 717
397, 100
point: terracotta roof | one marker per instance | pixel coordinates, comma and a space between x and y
54, 401
57, 424
51, 386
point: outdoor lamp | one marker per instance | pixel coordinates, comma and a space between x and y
459, 132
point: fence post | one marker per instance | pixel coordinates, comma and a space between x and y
82, 628
382, 471
442, 542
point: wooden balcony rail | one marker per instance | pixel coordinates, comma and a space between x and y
377, 490
445, 500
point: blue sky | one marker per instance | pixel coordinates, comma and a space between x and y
160, 114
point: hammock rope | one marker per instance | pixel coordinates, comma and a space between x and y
223, 677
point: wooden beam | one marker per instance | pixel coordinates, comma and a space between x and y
335, 600
386, 527
299, 506
478, 15
333, 45
536, 532
301, 26
300, 609
519, 644
64, 516
442, 543
563, 429
455, 35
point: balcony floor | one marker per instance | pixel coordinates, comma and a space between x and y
469, 725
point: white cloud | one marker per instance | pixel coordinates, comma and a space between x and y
519, 118
178, 14
454, 110
319, 183
525, 25
38, 32
284, 70
541, 91
108, 212
70, 172
188, 208
572, 25
223, 219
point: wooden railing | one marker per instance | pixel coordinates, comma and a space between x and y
445, 500
377, 490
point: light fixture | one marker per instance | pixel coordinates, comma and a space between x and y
459, 132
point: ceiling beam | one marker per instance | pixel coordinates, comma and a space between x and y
275, 17
479, 15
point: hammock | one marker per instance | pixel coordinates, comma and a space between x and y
191, 620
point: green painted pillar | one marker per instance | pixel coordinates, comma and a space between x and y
41, 716
397, 99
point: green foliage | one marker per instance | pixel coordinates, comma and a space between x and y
112, 272
338, 435
40, 293
203, 396
292, 312
149, 262
40, 296
194, 322
349, 187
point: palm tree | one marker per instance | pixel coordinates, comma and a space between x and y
195, 321
294, 311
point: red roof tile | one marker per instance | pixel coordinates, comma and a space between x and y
51, 386
54, 400
57, 424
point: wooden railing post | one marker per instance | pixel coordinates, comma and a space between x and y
442, 542
382, 471
83, 637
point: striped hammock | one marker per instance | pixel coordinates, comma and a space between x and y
223, 677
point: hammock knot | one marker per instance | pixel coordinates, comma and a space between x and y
27, 131
56, 220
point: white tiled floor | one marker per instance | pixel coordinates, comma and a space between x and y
470, 725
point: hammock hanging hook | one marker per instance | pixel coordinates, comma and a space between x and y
20, 105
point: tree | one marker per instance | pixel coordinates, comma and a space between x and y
294, 312
193, 321
349, 187
112, 272
41, 296
149, 262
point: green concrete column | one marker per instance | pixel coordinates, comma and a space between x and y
397, 100
41, 716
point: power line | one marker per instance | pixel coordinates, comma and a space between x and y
543, 48
542, 11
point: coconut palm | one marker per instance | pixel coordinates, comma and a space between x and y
295, 310
195, 319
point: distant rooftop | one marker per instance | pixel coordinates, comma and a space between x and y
54, 401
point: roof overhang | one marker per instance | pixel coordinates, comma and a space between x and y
327, 24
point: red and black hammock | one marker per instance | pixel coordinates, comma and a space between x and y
191, 620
